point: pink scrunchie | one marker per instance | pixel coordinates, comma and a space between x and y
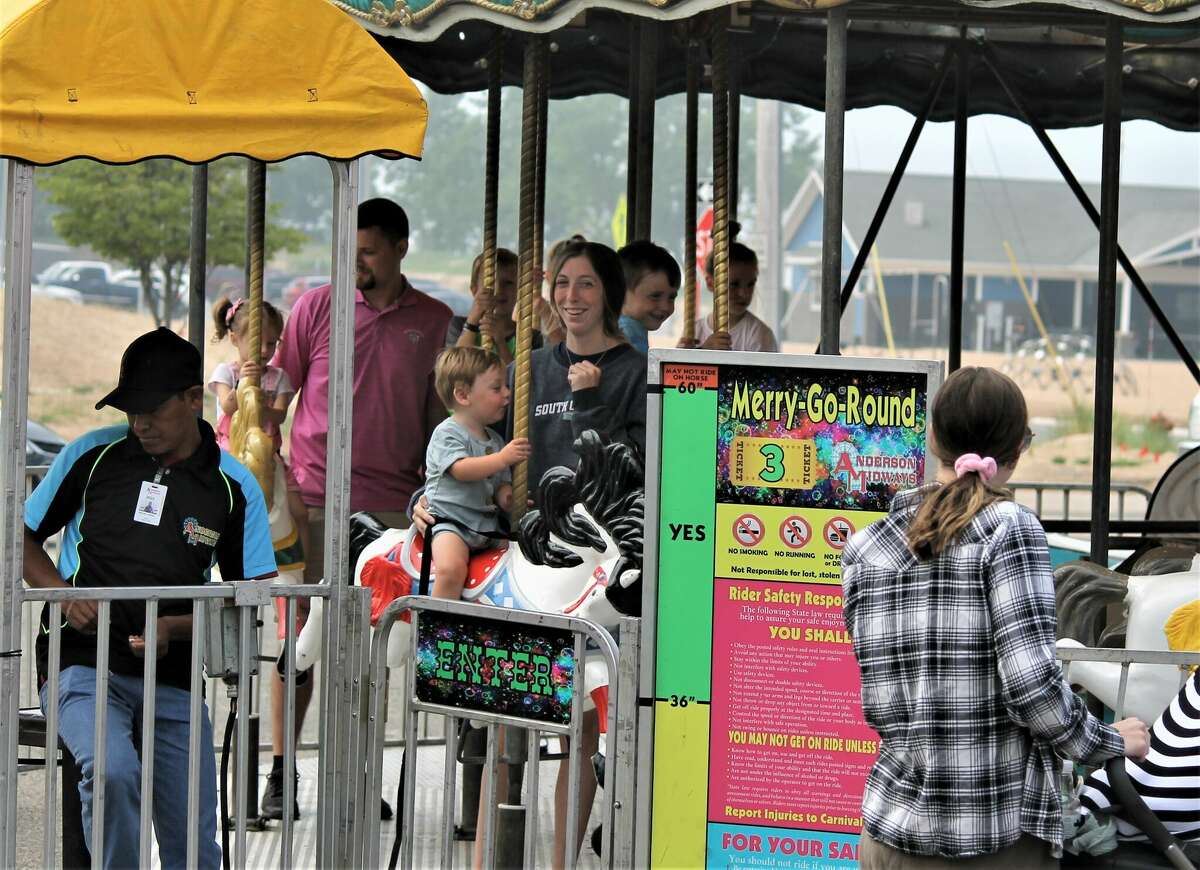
229, 315
984, 466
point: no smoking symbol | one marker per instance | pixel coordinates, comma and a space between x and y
837, 532
795, 532
748, 530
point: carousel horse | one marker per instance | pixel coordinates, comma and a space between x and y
1084, 590
579, 553
255, 449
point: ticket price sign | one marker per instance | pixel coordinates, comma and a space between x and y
761, 467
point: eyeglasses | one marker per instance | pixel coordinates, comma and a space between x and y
1027, 441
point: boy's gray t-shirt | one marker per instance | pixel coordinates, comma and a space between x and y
471, 503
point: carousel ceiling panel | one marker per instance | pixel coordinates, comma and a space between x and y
427, 19
129, 80
1053, 61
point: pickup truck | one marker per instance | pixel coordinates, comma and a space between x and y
94, 280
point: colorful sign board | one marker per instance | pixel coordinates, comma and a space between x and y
493, 666
762, 469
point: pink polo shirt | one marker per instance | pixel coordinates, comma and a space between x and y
394, 399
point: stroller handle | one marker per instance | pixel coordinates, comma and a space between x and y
1135, 811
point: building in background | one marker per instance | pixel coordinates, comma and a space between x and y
1055, 244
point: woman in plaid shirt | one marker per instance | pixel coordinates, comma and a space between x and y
950, 604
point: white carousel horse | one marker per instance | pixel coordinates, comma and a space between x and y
1150, 601
579, 554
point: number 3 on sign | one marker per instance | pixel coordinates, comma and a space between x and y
772, 471
782, 463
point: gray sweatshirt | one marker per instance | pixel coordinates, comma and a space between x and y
557, 416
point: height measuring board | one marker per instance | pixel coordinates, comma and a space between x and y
760, 468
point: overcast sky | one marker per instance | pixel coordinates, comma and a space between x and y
999, 146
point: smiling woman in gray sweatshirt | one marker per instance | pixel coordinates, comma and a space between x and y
593, 379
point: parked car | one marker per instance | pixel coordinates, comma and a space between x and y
459, 303
94, 280
41, 445
52, 291
300, 286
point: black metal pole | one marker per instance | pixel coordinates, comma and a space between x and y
958, 215
835, 134
631, 159
646, 92
198, 259
889, 192
1085, 201
1106, 304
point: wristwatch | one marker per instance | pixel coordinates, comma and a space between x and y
470, 327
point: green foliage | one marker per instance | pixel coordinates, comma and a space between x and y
586, 169
141, 215
1152, 435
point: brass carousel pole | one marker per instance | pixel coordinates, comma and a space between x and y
690, 183
721, 192
491, 184
530, 99
539, 197
247, 440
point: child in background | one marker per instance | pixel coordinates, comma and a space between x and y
467, 476
746, 332
491, 313
231, 318
651, 285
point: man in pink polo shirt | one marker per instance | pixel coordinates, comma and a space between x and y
398, 332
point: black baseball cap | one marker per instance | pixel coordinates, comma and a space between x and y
155, 367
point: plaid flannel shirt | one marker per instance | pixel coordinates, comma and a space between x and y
960, 680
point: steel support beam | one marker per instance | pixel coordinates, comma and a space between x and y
331, 836
835, 134
631, 158
1085, 201
889, 192
646, 95
1106, 303
18, 272
958, 212
198, 260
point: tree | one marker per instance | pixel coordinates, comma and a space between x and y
141, 215
586, 169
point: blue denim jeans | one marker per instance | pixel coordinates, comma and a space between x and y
123, 771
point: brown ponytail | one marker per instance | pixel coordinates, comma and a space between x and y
222, 325
977, 410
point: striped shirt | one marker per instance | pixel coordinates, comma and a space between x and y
960, 680
1169, 777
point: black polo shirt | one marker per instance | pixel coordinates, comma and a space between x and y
131, 521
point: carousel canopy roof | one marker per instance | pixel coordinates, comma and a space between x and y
125, 81
1051, 53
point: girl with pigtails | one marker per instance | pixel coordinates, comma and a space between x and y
949, 601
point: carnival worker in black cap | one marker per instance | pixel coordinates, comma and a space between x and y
163, 505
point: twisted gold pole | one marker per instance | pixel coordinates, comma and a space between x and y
720, 93
539, 202
690, 179
527, 236
247, 440
491, 185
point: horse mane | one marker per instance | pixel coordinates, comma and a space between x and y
609, 481
1082, 592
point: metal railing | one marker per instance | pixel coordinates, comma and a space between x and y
217, 610
1126, 657
1039, 489
617, 808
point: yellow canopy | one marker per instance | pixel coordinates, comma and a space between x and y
125, 80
